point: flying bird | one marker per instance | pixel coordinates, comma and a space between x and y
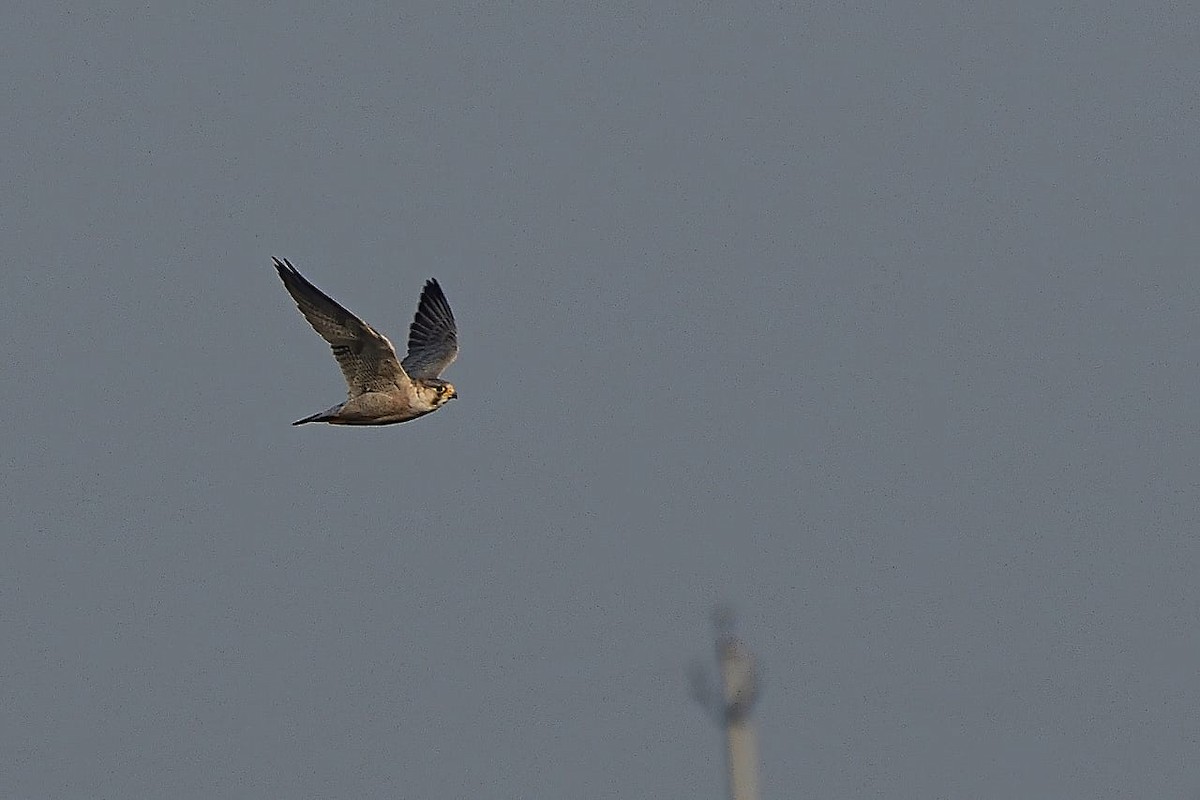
383, 390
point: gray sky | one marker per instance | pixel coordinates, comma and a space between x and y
876, 322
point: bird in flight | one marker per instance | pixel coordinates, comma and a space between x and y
383, 390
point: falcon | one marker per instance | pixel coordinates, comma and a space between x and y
383, 390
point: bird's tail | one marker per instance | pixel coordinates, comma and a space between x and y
321, 416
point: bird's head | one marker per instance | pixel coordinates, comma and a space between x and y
443, 391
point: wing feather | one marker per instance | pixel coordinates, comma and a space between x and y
367, 358
433, 336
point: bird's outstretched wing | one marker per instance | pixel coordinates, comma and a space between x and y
367, 358
432, 338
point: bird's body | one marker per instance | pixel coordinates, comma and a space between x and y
382, 389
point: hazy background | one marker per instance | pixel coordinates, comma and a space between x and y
877, 321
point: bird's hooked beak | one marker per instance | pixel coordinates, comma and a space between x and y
454, 394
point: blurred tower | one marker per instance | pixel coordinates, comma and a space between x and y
731, 705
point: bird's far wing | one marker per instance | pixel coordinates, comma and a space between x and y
367, 358
433, 337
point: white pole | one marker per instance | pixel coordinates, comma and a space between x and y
739, 691
743, 780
